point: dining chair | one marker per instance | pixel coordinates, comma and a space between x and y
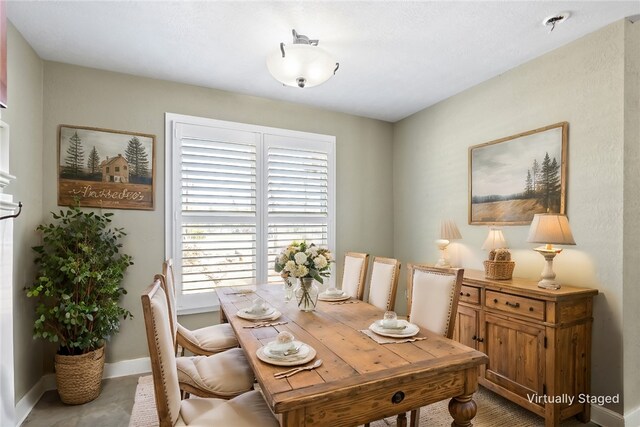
433, 302
246, 410
354, 274
204, 341
224, 375
384, 283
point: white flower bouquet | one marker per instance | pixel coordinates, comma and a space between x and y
307, 262
300, 259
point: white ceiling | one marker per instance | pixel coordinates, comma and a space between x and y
396, 58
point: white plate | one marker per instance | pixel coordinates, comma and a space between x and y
409, 331
271, 314
304, 355
338, 297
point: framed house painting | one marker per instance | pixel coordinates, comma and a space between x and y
513, 178
105, 168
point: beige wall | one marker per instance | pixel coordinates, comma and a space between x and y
87, 97
24, 116
581, 83
631, 245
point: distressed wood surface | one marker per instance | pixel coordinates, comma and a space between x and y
360, 380
538, 341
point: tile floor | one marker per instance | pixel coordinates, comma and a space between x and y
111, 409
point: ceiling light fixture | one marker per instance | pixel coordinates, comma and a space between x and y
554, 20
302, 64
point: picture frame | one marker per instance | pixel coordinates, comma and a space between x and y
511, 179
105, 168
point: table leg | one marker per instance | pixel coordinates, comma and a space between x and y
462, 409
402, 420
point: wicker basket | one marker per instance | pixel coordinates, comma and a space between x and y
498, 270
79, 377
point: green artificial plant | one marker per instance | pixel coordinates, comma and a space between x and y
77, 286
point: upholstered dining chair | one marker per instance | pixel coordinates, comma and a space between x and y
246, 410
204, 341
224, 375
354, 274
433, 302
384, 283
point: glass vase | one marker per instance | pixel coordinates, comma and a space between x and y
288, 289
307, 294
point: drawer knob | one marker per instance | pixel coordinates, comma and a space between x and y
462, 294
480, 340
495, 300
397, 397
510, 304
530, 308
474, 337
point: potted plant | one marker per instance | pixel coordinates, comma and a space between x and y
77, 289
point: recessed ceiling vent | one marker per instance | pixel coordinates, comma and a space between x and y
554, 20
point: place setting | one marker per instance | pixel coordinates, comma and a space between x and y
285, 350
259, 310
333, 295
393, 330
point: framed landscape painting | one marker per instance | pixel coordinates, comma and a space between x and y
105, 168
513, 178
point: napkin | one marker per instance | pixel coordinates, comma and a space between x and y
388, 340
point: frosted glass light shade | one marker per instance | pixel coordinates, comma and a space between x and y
301, 61
550, 229
495, 240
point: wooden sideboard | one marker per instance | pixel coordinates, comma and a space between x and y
538, 342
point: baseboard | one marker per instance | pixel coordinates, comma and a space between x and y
127, 367
48, 382
632, 418
607, 418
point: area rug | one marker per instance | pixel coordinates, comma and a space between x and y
493, 411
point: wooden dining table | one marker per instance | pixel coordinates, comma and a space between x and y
360, 380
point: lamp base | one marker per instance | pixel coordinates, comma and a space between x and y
548, 284
443, 262
548, 276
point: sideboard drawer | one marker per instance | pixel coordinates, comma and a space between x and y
515, 304
470, 294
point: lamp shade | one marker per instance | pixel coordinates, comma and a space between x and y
550, 229
495, 240
303, 65
449, 230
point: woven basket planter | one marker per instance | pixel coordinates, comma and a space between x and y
79, 378
499, 270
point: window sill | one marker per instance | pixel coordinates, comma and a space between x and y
185, 311
204, 302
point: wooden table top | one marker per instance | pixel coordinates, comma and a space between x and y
351, 360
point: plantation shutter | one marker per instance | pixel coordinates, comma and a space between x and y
218, 206
237, 194
298, 183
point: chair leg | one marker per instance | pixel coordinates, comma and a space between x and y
414, 421
402, 420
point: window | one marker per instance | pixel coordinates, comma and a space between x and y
236, 195
117, 168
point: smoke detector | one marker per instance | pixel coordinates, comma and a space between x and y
554, 20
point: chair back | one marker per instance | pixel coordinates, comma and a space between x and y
162, 354
384, 283
433, 297
169, 286
354, 274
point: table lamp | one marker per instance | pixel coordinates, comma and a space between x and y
495, 240
550, 229
448, 231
